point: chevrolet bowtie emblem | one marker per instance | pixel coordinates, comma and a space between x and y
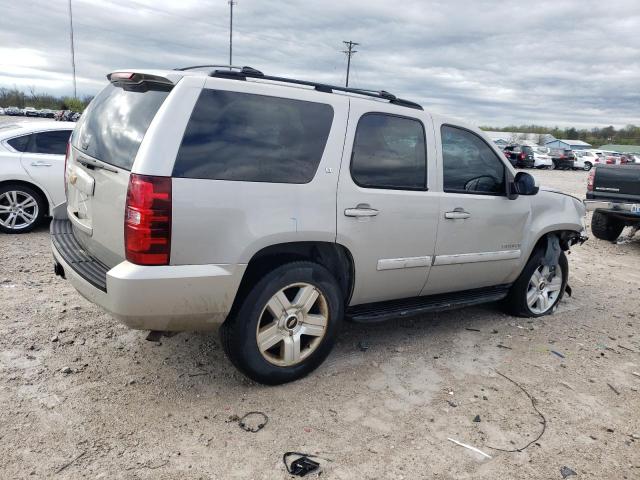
73, 179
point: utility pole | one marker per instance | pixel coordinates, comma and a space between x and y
231, 4
350, 51
73, 52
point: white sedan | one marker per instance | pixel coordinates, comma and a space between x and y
541, 157
31, 172
586, 159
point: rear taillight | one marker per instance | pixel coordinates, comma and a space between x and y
522, 156
610, 161
147, 220
591, 179
66, 161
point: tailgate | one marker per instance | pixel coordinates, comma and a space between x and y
617, 181
103, 149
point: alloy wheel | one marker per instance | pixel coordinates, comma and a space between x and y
292, 324
544, 289
18, 210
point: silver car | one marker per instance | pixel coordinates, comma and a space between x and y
274, 208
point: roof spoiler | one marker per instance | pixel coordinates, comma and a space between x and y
136, 78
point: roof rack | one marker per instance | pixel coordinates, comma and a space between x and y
195, 67
242, 73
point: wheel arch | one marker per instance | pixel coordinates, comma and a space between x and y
566, 237
32, 185
333, 256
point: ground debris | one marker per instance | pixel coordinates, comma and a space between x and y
68, 464
474, 449
567, 472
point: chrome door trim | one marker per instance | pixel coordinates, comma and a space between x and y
405, 262
476, 257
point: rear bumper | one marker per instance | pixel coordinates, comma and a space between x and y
167, 298
527, 163
561, 163
625, 211
615, 206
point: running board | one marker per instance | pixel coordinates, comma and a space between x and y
407, 307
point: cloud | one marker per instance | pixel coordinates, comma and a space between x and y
489, 62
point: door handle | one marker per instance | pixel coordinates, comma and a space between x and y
362, 210
457, 214
40, 164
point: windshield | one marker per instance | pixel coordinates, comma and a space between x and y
115, 122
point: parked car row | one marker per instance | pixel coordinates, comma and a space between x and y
527, 156
64, 115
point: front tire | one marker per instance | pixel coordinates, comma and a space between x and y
605, 227
538, 289
286, 325
587, 166
22, 208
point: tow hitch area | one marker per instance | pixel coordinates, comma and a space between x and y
58, 270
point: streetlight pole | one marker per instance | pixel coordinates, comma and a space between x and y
231, 4
73, 53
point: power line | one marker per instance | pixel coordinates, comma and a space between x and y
350, 51
73, 52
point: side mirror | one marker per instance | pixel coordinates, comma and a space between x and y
525, 184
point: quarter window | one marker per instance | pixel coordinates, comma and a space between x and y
469, 164
389, 152
253, 138
20, 143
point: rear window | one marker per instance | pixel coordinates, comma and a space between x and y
253, 138
526, 149
115, 122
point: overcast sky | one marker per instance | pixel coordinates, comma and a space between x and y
490, 62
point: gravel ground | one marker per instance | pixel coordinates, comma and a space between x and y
83, 396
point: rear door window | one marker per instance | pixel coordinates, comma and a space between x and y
112, 127
389, 152
52, 143
253, 138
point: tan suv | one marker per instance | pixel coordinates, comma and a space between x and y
275, 208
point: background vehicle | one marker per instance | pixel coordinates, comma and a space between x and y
30, 112
613, 194
585, 159
1, 111
31, 173
235, 199
520, 156
13, 111
541, 157
562, 158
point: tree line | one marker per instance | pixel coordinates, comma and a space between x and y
629, 135
12, 97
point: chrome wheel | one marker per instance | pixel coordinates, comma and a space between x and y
544, 289
292, 324
18, 210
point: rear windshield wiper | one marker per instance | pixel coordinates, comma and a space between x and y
93, 165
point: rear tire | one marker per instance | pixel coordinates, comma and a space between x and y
605, 227
587, 166
550, 292
286, 325
22, 208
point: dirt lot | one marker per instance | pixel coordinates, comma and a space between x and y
83, 396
